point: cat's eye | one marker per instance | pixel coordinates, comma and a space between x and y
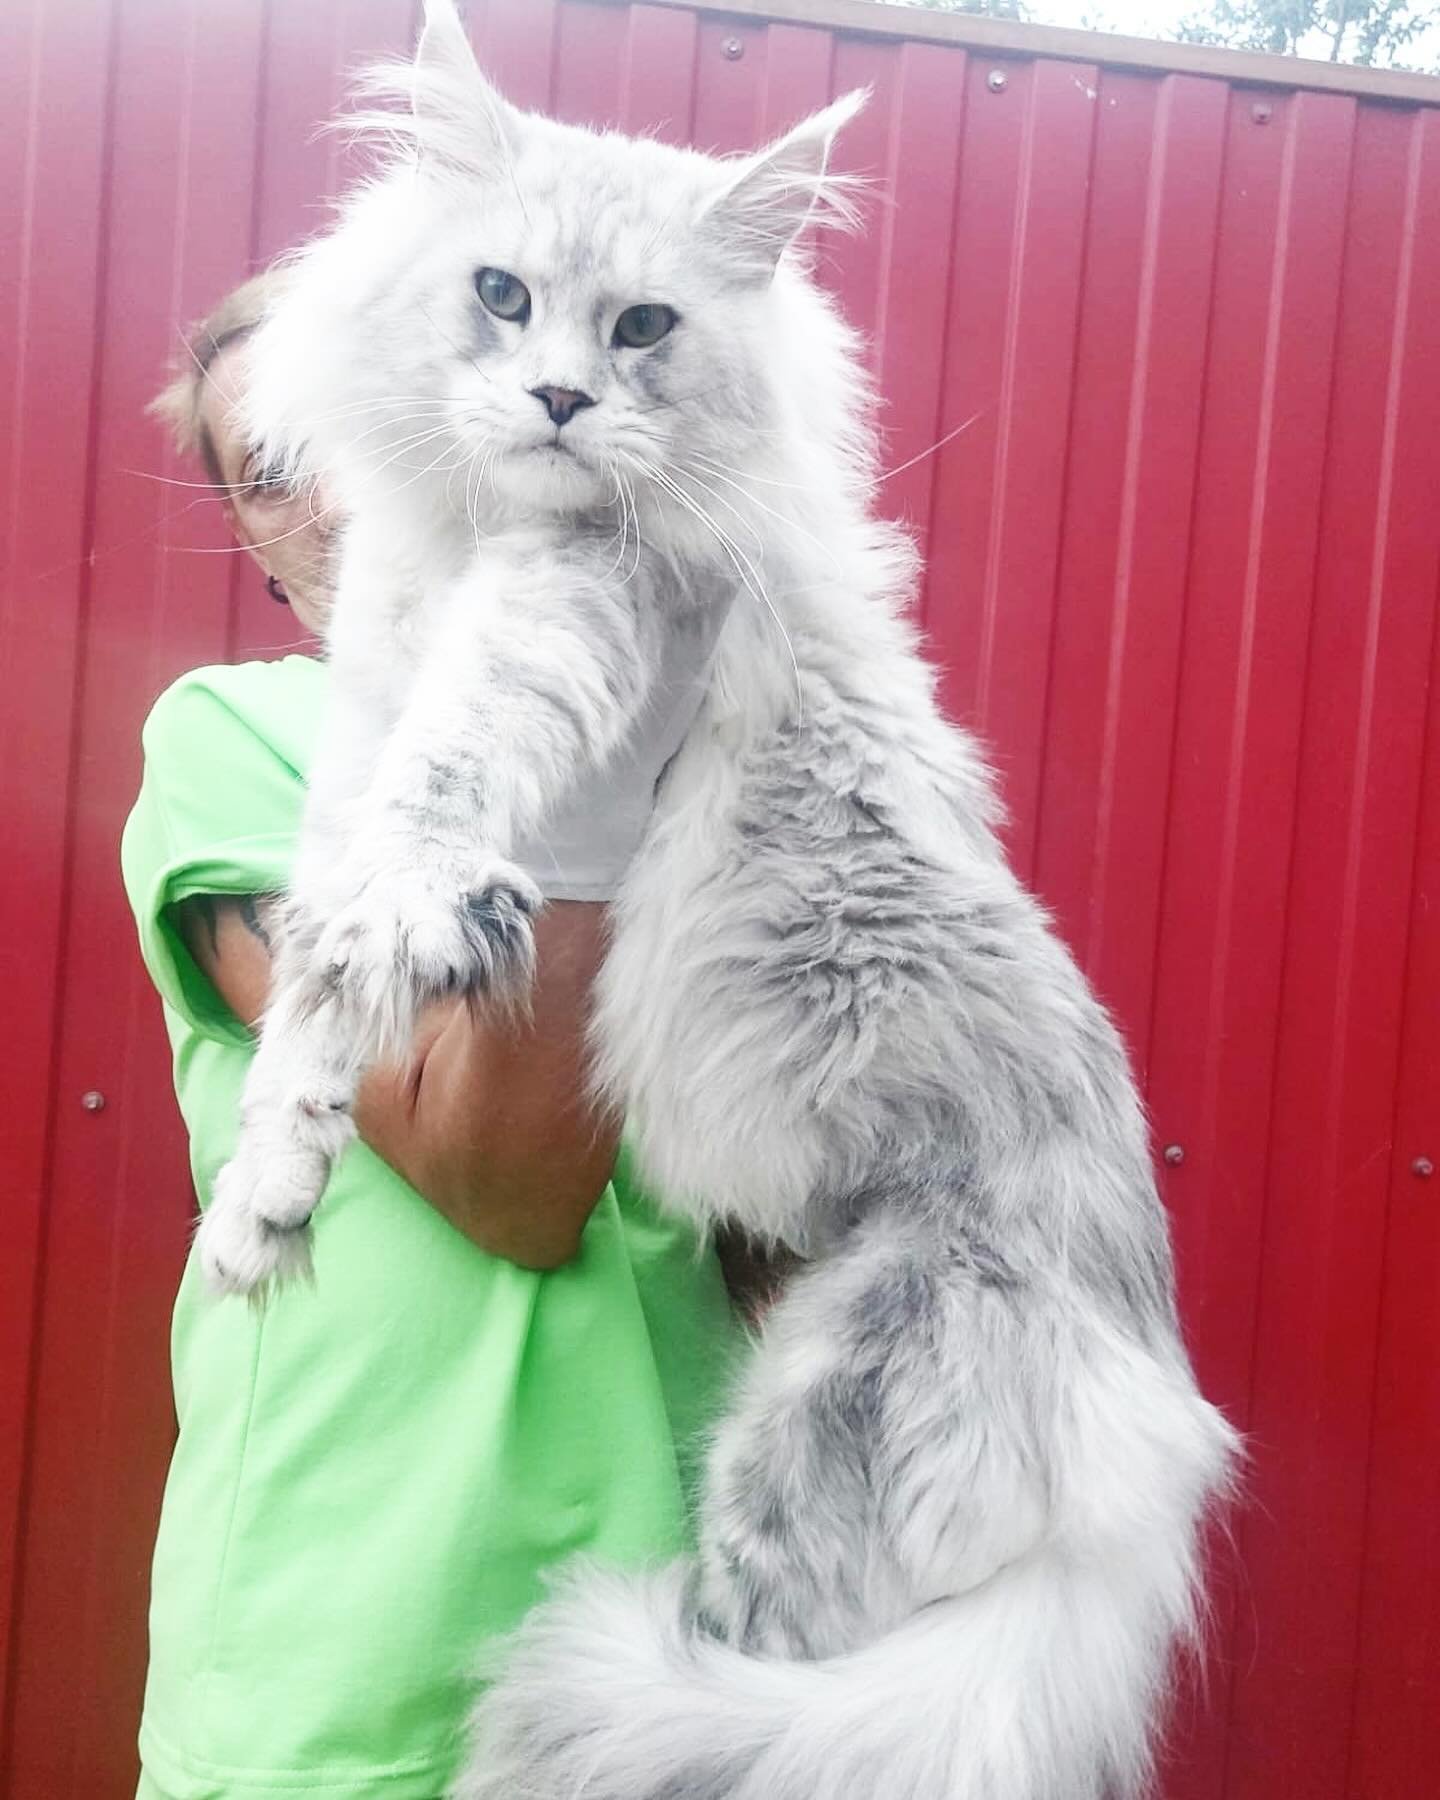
503, 294
640, 326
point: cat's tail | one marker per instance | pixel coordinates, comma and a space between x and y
1038, 1685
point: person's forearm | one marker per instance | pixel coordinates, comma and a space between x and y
497, 1129
489, 1118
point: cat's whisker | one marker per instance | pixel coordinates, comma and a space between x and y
639, 540
357, 407
218, 489
629, 518
713, 463
464, 355
411, 417
318, 517
207, 373
464, 463
771, 512
480, 462
939, 444
209, 487
622, 530
260, 543
419, 441
749, 575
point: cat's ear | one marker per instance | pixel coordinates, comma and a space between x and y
762, 210
459, 117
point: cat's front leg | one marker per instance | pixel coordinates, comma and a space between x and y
532, 669
294, 1123
537, 667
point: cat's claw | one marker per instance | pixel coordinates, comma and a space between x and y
408, 938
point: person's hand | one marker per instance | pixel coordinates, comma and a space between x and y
585, 846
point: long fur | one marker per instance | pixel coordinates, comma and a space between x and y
950, 1523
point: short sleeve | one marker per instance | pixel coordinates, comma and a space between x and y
217, 813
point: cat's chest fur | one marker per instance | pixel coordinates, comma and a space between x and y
402, 572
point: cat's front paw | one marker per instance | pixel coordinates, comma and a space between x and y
409, 938
255, 1234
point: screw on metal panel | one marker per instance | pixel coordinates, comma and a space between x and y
93, 1100
1423, 1167
1174, 1154
732, 49
1260, 112
997, 81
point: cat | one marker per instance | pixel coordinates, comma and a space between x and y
570, 390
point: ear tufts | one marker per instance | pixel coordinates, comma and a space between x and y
782, 189
439, 104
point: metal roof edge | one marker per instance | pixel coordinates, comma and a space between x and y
1011, 38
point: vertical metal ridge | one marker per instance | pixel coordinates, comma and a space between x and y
1360, 798
1430, 761
100, 374
1042, 304
939, 424
254, 230
670, 56
104, 162
1240, 716
1139, 385
1005, 413
1326, 1118
20, 1277
1047, 702
1170, 88
928, 110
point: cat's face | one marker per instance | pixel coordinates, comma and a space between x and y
558, 317
585, 333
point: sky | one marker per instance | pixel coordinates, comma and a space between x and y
1158, 18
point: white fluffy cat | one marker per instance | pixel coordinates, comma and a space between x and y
575, 393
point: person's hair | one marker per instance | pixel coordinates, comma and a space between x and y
178, 402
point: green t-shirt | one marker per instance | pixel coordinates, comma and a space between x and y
372, 1475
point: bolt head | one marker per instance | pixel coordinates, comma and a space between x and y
1261, 112
1423, 1167
93, 1100
1174, 1155
732, 49
997, 81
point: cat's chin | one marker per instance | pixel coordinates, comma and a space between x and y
550, 480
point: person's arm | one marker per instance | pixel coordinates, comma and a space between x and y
490, 1119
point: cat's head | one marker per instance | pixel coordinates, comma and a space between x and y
544, 311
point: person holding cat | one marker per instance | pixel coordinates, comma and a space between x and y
508, 1357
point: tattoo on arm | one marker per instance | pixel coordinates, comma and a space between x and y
207, 910
250, 918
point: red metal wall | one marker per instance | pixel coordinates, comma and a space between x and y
1183, 572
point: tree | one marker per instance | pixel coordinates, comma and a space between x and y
983, 9
1373, 32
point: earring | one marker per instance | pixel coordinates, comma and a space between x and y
275, 591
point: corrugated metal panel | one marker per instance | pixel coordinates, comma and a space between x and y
1183, 575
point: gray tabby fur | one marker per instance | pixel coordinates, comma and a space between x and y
950, 1523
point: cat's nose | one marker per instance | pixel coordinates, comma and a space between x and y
562, 404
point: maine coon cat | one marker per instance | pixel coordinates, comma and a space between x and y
573, 393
